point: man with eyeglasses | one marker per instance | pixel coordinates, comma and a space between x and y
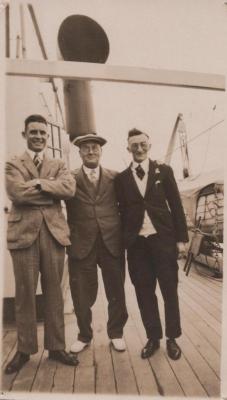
154, 230
96, 239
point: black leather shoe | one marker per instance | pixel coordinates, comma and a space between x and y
63, 357
150, 348
173, 350
16, 363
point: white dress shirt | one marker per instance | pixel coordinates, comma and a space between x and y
147, 226
94, 171
33, 154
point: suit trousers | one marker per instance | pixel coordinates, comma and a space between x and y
84, 287
150, 260
44, 256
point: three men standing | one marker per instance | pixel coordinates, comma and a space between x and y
37, 235
96, 238
154, 230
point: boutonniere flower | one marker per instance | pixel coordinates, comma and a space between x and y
157, 171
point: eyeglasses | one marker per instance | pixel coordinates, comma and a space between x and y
86, 148
136, 146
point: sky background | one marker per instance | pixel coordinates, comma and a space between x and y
178, 35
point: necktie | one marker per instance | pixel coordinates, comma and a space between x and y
93, 177
37, 161
140, 172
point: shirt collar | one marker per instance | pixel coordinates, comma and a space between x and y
88, 170
33, 153
144, 164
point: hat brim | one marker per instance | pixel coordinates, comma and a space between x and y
79, 140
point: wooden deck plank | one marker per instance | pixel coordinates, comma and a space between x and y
63, 379
201, 326
187, 378
64, 375
207, 294
105, 379
214, 284
122, 368
198, 363
105, 371
204, 303
208, 283
26, 376
203, 313
7, 380
8, 344
203, 346
145, 379
205, 374
44, 380
167, 382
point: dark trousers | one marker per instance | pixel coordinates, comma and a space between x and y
44, 256
84, 286
151, 260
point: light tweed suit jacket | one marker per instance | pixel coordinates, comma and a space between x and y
31, 207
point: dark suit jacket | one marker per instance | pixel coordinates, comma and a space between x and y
162, 202
89, 213
30, 207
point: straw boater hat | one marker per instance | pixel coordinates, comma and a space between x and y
90, 137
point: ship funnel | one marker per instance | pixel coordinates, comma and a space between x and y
81, 39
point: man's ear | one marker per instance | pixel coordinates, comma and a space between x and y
23, 134
129, 150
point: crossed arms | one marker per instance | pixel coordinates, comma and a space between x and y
38, 191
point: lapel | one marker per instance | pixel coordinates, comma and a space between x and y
103, 182
131, 182
29, 165
151, 176
83, 182
46, 166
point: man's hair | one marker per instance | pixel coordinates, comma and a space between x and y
34, 118
136, 132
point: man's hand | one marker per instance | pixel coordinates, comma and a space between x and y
181, 250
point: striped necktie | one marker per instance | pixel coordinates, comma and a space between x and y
37, 161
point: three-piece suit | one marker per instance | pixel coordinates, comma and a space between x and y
37, 235
153, 258
96, 239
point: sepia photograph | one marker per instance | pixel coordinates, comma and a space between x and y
113, 154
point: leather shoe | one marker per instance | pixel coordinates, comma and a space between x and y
173, 350
150, 348
17, 362
63, 357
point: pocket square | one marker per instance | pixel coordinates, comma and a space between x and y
156, 183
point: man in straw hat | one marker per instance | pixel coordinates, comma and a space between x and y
94, 222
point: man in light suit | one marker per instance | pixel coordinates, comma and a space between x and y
37, 235
95, 228
154, 229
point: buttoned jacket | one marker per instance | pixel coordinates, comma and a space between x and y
91, 212
161, 201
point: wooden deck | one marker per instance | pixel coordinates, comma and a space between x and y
104, 371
